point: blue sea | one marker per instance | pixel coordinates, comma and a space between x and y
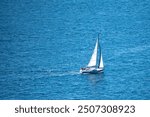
44, 43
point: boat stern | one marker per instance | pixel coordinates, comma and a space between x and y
81, 71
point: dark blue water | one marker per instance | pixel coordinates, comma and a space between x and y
43, 44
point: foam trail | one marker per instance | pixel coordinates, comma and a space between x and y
54, 73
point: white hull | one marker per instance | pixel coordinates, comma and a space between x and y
91, 70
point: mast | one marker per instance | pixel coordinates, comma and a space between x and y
100, 59
99, 49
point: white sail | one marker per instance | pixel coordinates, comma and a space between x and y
94, 56
101, 65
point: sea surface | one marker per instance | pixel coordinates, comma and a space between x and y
44, 43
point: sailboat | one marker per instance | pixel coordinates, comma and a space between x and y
95, 64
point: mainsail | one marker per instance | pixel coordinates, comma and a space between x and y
101, 65
93, 59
